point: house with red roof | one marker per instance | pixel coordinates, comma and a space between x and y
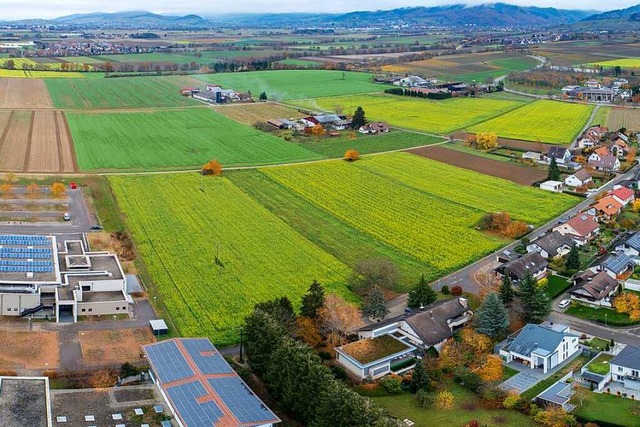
582, 228
623, 195
608, 208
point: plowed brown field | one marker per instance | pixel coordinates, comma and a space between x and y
24, 94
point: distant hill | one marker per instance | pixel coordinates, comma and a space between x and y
127, 20
621, 19
489, 15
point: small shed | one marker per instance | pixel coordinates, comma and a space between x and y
159, 327
554, 186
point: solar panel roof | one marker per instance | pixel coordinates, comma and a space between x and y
195, 414
206, 357
168, 362
240, 400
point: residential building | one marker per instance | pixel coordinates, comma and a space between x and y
630, 246
553, 186
559, 395
608, 163
594, 288
581, 228
532, 263
201, 388
608, 208
579, 179
625, 368
551, 245
393, 340
599, 153
623, 195
618, 265
373, 128
42, 276
619, 147
541, 347
561, 154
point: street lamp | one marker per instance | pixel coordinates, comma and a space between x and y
605, 319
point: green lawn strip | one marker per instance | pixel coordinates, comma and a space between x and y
556, 286
606, 408
600, 365
574, 365
344, 242
613, 318
466, 408
176, 138
104, 203
366, 144
597, 343
601, 117
480, 153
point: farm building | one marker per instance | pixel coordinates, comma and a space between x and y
201, 388
373, 128
41, 276
327, 121
553, 186
282, 123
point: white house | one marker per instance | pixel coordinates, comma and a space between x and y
532, 155
553, 186
541, 347
551, 245
561, 154
623, 195
373, 358
625, 368
578, 179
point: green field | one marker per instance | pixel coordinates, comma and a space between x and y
176, 138
263, 258
623, 63
546, 121
420, 114
121, 92
280, 228
296, 84
300, 63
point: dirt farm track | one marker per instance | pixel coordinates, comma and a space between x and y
35, 141
518, 174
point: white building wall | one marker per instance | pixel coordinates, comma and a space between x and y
13, 304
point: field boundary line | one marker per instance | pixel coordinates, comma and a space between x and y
27, 154
58, 142
72, 144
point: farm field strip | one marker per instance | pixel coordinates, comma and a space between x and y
623, 117
13, 149
479, 190
622, 62
263, 257
163, 139
546, 121
121, 92
23, 94
420, 114
296, 84
26, 74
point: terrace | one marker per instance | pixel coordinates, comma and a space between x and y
600, 365
370, 350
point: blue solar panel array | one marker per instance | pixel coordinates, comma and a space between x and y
168, 362
240, 400
194, 414
209, 364
9, 266
8, 239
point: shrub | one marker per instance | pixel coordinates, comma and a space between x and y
339, 373
324, 355
212, 168
444, 400
351, 155
456, 290
469, 380
128, 370
445, 290
392, 384
511, 401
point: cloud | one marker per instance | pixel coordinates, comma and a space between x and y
54, 8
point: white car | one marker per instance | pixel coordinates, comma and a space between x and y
66, 216
564, 303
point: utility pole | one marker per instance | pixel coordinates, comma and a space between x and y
241, 359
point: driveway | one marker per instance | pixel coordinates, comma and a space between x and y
523, 380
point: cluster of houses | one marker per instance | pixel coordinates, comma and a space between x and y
432, 86
215, 94
595, 91
329, 122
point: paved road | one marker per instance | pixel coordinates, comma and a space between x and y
630, 336
464, 276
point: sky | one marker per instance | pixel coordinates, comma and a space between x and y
13, 9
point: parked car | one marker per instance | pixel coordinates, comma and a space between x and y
96, 227
564, 303
66, 216
73, 185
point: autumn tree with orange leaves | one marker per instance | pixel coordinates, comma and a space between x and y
338, 318
628, 303
307, 331
492, 369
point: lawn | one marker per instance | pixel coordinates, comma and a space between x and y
466, 408
178, 230
121, 92
546, 121
296, 84
600, 365
601, 315
385, 196
623, 63
438, 117
597, 343
606, 408
170, 139
556, 286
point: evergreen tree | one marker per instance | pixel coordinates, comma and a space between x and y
359, 119
313, 300
492, 318
419, 378
506, 290
263, 96
422, 294
374, 304
554, 170
281, 310
263, 335
535, 302
573, 259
